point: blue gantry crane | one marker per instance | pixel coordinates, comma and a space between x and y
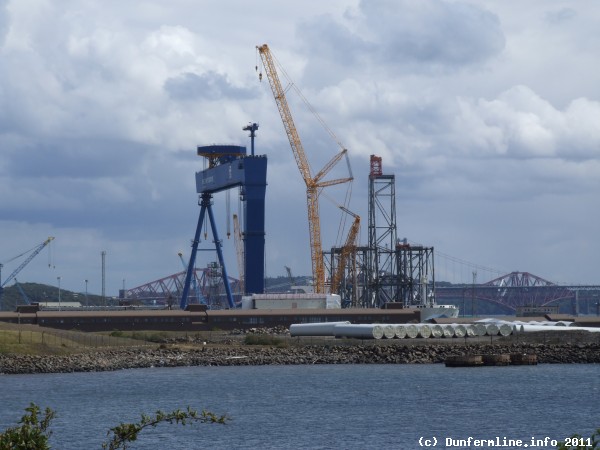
12, 276
228, 167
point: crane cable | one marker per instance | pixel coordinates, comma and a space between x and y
22, 254
292, 85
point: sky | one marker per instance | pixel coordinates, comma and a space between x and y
486, 112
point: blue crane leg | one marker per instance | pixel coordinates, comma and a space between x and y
254, 220
192, 263
218, 244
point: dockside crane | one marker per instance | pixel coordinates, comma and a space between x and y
314, 184
33, 254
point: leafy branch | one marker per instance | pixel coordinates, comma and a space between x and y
128, 432
578, 442
32, 433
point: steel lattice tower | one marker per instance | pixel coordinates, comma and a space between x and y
381, 265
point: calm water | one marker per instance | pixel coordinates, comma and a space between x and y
316, 407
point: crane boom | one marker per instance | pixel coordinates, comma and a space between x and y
37, 249
285, 113
313, 184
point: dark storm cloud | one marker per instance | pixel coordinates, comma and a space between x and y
560, 16
75, 158
424, 36
208, 86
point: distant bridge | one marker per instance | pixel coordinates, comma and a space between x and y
509, 292
522, 289
206, 287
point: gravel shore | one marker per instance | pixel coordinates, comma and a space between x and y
174, 356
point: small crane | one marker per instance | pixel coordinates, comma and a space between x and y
13, 275
290, 276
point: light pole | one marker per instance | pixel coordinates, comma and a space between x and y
58, 278
87, 303
473, 294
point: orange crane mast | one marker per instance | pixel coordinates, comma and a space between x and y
348, 252
314, 184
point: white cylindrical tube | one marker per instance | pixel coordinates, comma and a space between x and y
491, 329
471, 330
314, 329
448, 331
480, 329
529, 328
411, 331
424, 330
364, 331
437, 331
400, 331
389, 332
505, 329
459, 330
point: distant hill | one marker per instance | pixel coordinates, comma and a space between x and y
35, 292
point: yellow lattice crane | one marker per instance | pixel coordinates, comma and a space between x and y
314, 184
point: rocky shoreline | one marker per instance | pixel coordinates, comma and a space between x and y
174, 356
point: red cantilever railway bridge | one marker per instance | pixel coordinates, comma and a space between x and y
524, 289
509, 291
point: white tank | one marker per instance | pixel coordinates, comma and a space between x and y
314, 329
471, 330
364, 331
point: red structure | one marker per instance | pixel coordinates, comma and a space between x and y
209, 289
521, 289
376, 166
